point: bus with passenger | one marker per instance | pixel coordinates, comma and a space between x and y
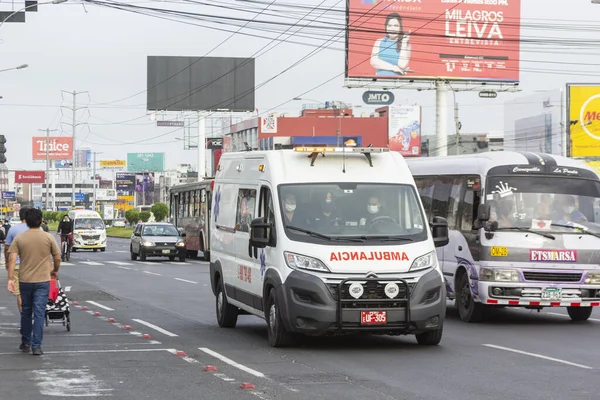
524, 230
190, 212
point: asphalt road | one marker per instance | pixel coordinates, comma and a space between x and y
517, 354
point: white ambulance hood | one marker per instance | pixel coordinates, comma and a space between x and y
349, 258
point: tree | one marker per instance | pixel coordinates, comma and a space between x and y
145, 216
160, 211
132, 216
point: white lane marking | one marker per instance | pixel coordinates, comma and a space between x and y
186, 358
91, 263
95, 334
99, 305
68, 289
119, 263
124, 268
260, 395
185, 280
224, 377
70, 383
538, 356
156, 328
135, 333
175, 263
232, 363
12, 353
147, 263
151, 273
121, 251
67, 263
565, 315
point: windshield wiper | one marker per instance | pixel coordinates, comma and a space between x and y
516, 228
308, 232
389, 238
581, 229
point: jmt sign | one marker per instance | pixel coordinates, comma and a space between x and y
30, 176
378, 98
59, 148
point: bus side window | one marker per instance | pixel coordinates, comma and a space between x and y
467, 212
425, 186
441, 196
456, 192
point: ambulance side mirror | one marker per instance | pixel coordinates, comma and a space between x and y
259, 233
439, 231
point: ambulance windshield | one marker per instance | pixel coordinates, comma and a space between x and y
362, 212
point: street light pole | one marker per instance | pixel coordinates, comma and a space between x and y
22, 66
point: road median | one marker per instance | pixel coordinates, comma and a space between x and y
119, 232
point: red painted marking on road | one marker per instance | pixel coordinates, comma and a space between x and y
146, 336
84, 308
181, 353
210, 368
112, 320
75, 303
247, 386
127, 327
97, 314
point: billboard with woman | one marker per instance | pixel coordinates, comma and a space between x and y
433, 39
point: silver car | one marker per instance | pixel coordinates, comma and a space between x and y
157, 239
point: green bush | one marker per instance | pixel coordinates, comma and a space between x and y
132, 216
145, 216
160, 211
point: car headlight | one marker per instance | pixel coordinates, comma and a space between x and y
180, 244
148, 243
592, 278
498, 275
296, 261
425, 261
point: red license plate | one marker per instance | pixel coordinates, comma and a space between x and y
373, 317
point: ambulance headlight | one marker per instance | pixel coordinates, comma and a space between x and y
426, 261
298, 261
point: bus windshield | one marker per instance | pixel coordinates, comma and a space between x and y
363, 212
551, 203
88, 223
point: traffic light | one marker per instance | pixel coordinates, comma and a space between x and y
2, 149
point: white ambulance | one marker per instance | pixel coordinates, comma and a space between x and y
89, 231
323, 241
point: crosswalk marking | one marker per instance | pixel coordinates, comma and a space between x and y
66, 263
119, 263
91, 263
132, 263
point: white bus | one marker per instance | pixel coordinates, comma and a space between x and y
524, 230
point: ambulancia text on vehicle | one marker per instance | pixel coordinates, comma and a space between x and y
325, 240
524, 230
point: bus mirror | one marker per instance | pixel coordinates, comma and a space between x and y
259, 233
439, 231
203, 196
483, 212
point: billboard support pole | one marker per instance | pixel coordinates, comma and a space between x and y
441, 118
201, 145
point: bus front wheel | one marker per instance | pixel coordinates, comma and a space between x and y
468, 309
579, 313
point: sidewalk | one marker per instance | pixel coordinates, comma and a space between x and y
9, 317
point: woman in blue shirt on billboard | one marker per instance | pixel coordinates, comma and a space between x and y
391, 53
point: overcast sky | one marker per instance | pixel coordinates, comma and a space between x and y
103, 51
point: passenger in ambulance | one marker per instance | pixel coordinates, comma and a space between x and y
328, 215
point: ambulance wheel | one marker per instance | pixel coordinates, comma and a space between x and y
431, 338
227, 314
468, 309
278, 335
579, 313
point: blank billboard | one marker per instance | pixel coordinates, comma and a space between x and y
200, 83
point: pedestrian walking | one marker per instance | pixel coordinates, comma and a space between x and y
12, 234
40, 262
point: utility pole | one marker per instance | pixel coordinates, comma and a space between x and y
74, 125
47, 160
458, 126
94, 178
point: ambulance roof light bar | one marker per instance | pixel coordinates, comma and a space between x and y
315, 151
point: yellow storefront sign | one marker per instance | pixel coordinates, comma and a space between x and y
113, 163
498, 251
584, 116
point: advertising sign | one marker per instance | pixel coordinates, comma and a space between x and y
9, 196
125, 183
108, 211
170, 123
144, 188
113, 163
433, 39
378, 98
404, 130
583, 102
143, 162
106, 195
124, 203
30, 176
268, 124
59, 148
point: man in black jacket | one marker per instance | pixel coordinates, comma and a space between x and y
65, 230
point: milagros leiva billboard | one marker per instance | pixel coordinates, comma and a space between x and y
583, 102
430, 39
